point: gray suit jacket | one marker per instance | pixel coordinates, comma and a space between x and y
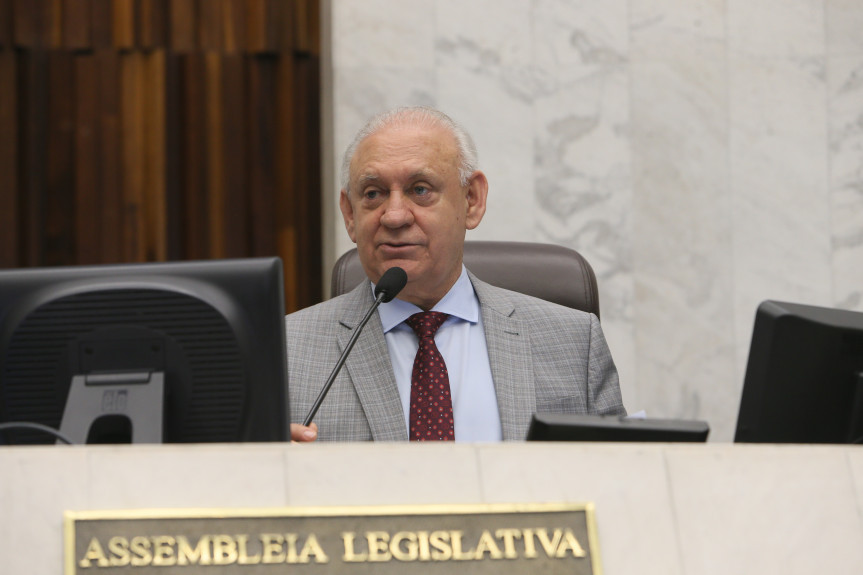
544, 357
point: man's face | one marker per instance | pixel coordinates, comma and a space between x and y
407, 208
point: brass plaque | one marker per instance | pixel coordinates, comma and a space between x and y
498, 539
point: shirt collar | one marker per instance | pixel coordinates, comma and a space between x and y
460, 301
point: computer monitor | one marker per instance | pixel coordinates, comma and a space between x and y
804, 378
179, 352
575, 427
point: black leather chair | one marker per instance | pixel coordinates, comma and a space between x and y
547, 271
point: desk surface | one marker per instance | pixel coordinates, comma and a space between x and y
660, 508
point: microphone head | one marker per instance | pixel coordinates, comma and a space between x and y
391, 283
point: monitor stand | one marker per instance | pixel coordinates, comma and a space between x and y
119, 407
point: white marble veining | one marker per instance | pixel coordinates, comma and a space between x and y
844, 20
813, 481
703, 155
779, 158
682, 224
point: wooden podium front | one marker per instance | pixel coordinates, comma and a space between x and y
663, 509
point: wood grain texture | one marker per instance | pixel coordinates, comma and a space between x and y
110, 181
234, 134
183, 15
151, 130
214, 157
132, 133
76, 19
33, 160
262, 184
210, 25
37, 23
5, 24
124, 24
102, 24
58, 245
8, 159
152, 24
234, 28
87, 191
153, 157
193, 175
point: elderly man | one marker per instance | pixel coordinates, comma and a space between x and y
452, 357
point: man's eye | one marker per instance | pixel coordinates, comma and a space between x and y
421, 190
371, 194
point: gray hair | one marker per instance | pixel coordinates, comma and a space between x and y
416, 116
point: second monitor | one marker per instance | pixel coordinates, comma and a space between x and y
163, 352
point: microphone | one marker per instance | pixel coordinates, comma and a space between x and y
387, 288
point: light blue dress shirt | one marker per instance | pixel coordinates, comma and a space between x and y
461, 341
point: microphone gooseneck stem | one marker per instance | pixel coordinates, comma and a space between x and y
344, 356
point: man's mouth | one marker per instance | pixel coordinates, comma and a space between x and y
396, 247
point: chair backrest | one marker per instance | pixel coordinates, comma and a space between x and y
547, 271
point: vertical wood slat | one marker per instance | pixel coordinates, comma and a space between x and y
8, 159
306, 113
280, 26
210, 25
102, 24
38, 23
301, 33
160, 129
234, 137
123, 24
53, 25
193, 161
34, 82
152, 24
255, 25
87, 190
123, 12
143, 115
24, 23
174, 220
183, 15
153, 157
5, 24
132, 144
110, 137
214, 159
234, 25
261, 155
76, 24
287, 175
306, 27
263, 24
59, 206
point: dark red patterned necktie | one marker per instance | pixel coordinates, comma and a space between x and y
431, 404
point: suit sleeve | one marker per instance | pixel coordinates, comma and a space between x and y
603, 385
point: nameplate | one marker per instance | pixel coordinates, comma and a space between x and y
500, 539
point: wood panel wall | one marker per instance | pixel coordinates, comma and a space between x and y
153, 130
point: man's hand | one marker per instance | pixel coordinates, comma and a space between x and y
303, 434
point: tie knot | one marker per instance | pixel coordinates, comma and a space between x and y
426, 323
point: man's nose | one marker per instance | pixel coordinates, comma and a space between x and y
397, 211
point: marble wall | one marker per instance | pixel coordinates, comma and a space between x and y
704, 155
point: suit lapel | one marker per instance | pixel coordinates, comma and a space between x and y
371, 371
511, 361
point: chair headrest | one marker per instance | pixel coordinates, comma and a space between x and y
547, 271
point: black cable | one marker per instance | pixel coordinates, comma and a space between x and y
36, 427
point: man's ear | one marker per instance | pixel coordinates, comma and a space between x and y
347, 214
477, 193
